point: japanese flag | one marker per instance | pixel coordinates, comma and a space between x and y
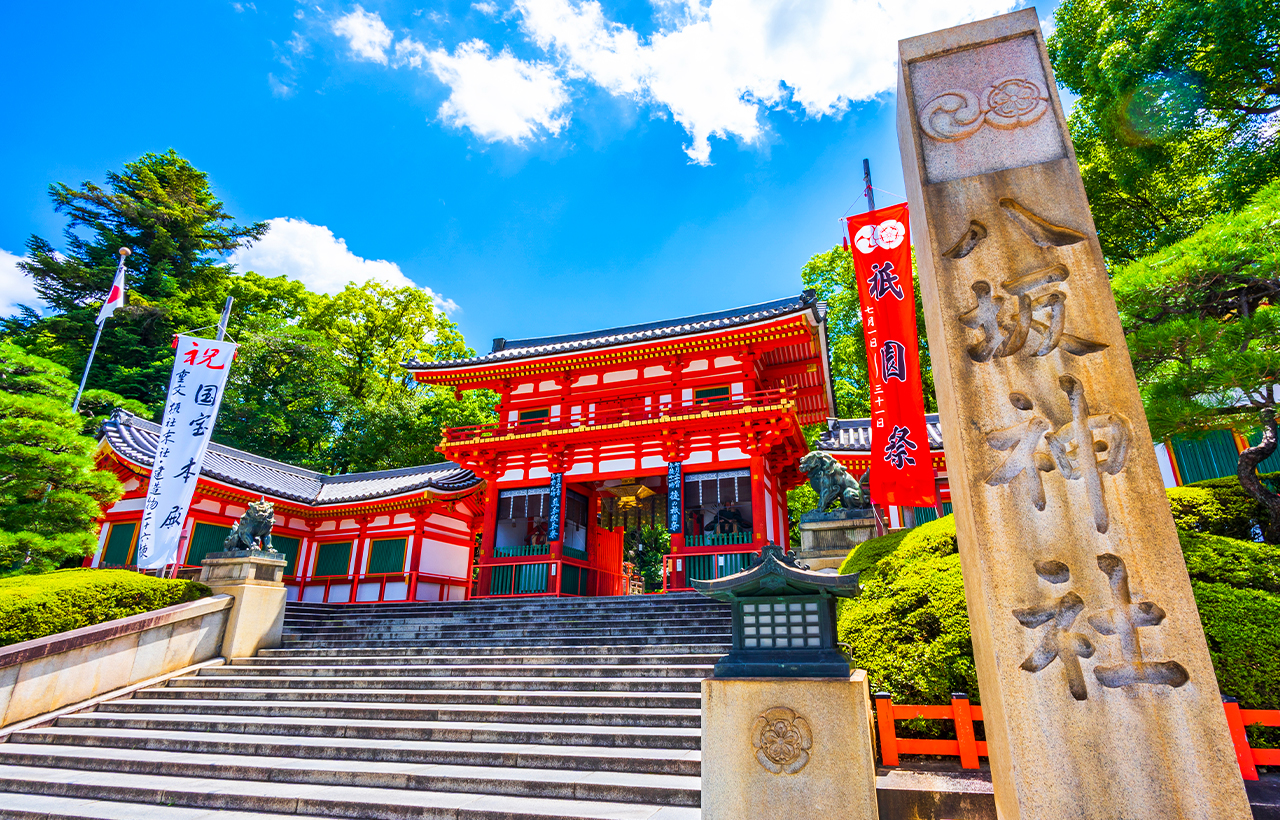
115, 298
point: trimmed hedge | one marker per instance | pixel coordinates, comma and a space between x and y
910, 628
33, 606
1218, 506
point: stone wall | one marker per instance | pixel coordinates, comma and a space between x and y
59, 670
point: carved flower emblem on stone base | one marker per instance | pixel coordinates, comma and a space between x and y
782, 740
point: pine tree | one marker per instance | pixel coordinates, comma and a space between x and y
50, 493
163, 209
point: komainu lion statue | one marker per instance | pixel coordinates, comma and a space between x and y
832, 482
253, 530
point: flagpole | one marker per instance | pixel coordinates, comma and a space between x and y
866, 178
75, 405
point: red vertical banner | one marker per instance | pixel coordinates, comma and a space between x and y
901, 470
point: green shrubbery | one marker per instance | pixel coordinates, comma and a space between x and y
33, 606
1219, 506
910, 628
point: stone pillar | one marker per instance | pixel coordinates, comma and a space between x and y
254, 579
1099, 699
787, 748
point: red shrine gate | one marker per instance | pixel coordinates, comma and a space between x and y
692, 424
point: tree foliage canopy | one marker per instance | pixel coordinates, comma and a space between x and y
1176, 117
1203, 326
317, 381
50, 493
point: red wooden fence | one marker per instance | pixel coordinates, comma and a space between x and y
969, 749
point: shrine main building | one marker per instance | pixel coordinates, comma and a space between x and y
692, 425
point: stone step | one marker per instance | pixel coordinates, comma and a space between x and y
661, 737
629, 603
508, 670
318, 799
522, 683
289, 641
582, 758
471, 660
44, 807
418, 712
684, 615
590, 698
622, 787
645, 650
469, 631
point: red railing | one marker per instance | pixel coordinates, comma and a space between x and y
968, 748
613, 415
1248, 757
961, 712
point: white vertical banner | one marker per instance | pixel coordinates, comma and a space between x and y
195, 394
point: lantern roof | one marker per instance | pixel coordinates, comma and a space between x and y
777, 574
136, 440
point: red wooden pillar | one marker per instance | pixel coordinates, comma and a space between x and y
758, 511
785, 509
488, 534
1240, 739
415, 557
963, 717
884, 723
357, 569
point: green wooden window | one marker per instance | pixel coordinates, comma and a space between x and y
711, 394
927, 514
288, 547
500, 581
119, 540
573, 580
205, 538
521, 579
333, 558
535, 416
1213, 456
386, 556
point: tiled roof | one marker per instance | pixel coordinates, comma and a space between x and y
855, 434
135, 439
511, 349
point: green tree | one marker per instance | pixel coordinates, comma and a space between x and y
50, 492
374, 327
1203, 327
644, 547
1175, 117
285, 395
404, 428
163, 209
831, 274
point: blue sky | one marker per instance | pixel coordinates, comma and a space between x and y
543, 166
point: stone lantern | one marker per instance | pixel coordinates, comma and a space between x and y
784, 619
786, 724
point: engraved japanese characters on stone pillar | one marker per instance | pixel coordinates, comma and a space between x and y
1092, 663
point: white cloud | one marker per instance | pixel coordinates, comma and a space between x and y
718, 66
499, 98
311, 254
16, 287
368, 37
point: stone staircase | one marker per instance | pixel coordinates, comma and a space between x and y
512, 709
